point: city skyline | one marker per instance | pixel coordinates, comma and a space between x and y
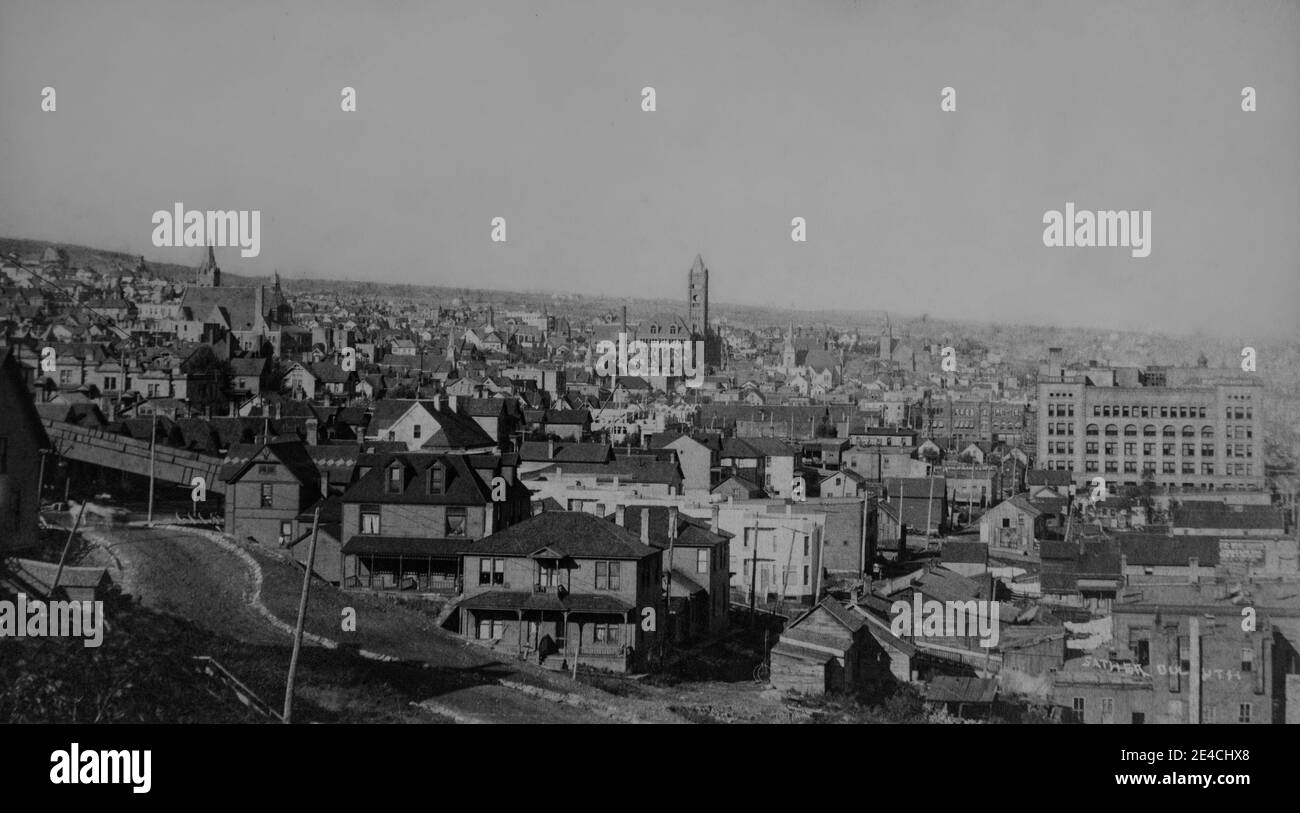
465, 114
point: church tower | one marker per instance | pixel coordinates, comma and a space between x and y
788, 354
697, 301
209, 274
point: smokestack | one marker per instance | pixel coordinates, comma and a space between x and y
620, 515
645, 524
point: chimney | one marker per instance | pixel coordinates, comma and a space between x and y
312, 427
620, 515
672, 522
645, 524
452, 402
550, 448
713, 524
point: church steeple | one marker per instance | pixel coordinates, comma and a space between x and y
209, 275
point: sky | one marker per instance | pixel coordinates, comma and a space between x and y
766, 111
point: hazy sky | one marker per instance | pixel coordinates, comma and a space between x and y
766, 111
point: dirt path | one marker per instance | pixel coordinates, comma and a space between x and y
244, 594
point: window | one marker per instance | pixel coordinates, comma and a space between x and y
1108, 705
607, 576
702, 560
286, 528
1243, 714
1247, 659
370, 519
805, 575
491, 571
547, 576
266, 494
1078, 708
805, 546
456, 522
437, 479
395, 480
489, 628
415, 431
605, 633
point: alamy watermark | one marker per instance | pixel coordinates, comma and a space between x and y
1084, 229
217, 228
34, 618
945, 619
675, 358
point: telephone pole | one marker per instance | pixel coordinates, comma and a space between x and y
302, 616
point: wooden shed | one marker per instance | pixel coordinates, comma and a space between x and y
819, 651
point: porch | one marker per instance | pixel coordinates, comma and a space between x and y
539, 628
402, 565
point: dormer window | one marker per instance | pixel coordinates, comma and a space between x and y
437, 479
394, 483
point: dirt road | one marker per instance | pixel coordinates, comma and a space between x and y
188, 574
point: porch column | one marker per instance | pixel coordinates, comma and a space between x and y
566, 634
519, 619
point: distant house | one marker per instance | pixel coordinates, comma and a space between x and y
1044, 483
418, 422
738, 488
267, 487
697, 554
248, 376
1014, 526
697, 457
567, 424
22, 437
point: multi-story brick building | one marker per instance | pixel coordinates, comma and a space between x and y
1188, 428
1191, 653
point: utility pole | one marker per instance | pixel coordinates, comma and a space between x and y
302, 616
40, 479
153, 442
58, 574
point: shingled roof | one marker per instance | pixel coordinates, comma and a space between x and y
571, 533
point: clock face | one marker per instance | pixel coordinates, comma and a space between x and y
695, 297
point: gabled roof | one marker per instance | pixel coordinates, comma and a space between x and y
846, 618
293, 454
